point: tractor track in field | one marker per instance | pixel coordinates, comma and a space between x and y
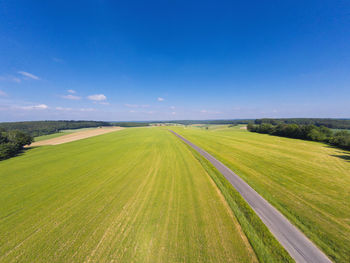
300, 248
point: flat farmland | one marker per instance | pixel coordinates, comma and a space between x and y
50, 136
135, 195
70, 136
308, 182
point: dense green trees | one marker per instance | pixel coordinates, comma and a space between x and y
183, 122
37, 128
15, 135
12, 142
216, 122
131, 123
329, 123
305, 132
341, 138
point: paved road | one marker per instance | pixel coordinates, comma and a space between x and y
295, 242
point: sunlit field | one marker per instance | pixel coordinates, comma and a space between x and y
136, 195
309, 182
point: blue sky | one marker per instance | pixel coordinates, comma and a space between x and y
160, 60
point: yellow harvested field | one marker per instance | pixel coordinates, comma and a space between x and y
77, 136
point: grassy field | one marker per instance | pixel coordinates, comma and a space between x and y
59, 134
309, 182
50, 136
136, 195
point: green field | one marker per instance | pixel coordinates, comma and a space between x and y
309, 182
136, 195
50, 136
59, 134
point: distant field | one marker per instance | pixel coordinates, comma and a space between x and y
60, 133
74, 136
50, 136
82, 129
309, 182
136, 195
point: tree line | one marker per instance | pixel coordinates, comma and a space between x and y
329, 123
131, 124
183, 122
309, 132
217, 122
12, 143
38, 128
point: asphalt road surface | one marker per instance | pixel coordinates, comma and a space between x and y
300, 248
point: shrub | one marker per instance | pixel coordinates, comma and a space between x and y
12, 142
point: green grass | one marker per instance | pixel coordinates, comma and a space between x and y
136, 195
309, 182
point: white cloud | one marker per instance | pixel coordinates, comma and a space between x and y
71, 97
41, 107
172, 107
2, 93
29, 75
173, 113
97, 97
204, 111
71, 91
160, 99
35, 107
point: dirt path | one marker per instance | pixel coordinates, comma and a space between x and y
76, 136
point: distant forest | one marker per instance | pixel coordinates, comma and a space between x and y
217, 122
38, 128
329, 123
131, 123
309, 132
183, 122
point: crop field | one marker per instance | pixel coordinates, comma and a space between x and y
50, 136
309, 182
74, 136
60, 133
135, 195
